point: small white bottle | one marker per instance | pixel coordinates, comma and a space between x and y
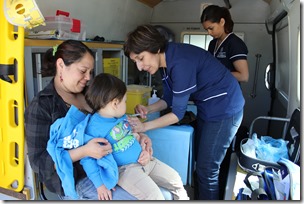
153, 99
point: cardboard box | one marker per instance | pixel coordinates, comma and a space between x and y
112, 66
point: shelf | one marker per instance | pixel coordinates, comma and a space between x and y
109, 58
50, 43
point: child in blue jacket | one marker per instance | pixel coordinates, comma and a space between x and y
107, 97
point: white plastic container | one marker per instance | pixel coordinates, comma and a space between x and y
153, 99
63, 28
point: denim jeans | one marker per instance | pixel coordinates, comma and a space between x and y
87, 191
213, 139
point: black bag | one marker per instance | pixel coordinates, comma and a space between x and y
264, 170
292, 135
251, 164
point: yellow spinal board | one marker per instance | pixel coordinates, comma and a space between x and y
11, 106
23, 14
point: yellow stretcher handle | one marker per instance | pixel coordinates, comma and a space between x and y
23, 13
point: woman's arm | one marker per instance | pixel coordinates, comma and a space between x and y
37, 126
241, 73
92, 149
138, 126
163, 121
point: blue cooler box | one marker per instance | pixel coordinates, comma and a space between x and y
173, 146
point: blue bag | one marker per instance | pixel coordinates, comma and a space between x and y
270, 149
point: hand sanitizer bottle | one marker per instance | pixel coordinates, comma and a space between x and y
153, 99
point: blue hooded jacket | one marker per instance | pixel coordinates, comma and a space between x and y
69, 133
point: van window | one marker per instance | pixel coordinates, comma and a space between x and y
282, 61
200, 39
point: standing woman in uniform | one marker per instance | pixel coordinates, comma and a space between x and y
190, 73
231, 51
227, 47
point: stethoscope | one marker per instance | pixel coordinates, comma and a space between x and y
165, 76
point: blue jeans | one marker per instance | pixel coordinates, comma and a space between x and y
87, 191
213, 139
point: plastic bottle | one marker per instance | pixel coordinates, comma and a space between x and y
153, 99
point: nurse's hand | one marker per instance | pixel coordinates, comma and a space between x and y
136, 124
143, 110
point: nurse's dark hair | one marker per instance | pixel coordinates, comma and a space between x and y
70, 51
144, 38
214, 13
103, 89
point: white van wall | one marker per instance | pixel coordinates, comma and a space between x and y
295, 29
111, 19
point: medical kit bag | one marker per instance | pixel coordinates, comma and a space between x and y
249, 162
266, 158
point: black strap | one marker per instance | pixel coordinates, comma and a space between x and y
6, 70
259, 193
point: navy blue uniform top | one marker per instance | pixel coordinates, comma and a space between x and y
194, 74
231, 49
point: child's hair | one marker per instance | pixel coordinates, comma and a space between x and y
103, 89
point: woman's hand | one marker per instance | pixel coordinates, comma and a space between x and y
104, 193
95, 148
144, 158
143, 110
98, 147
147, 150
136, 124
145, 142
